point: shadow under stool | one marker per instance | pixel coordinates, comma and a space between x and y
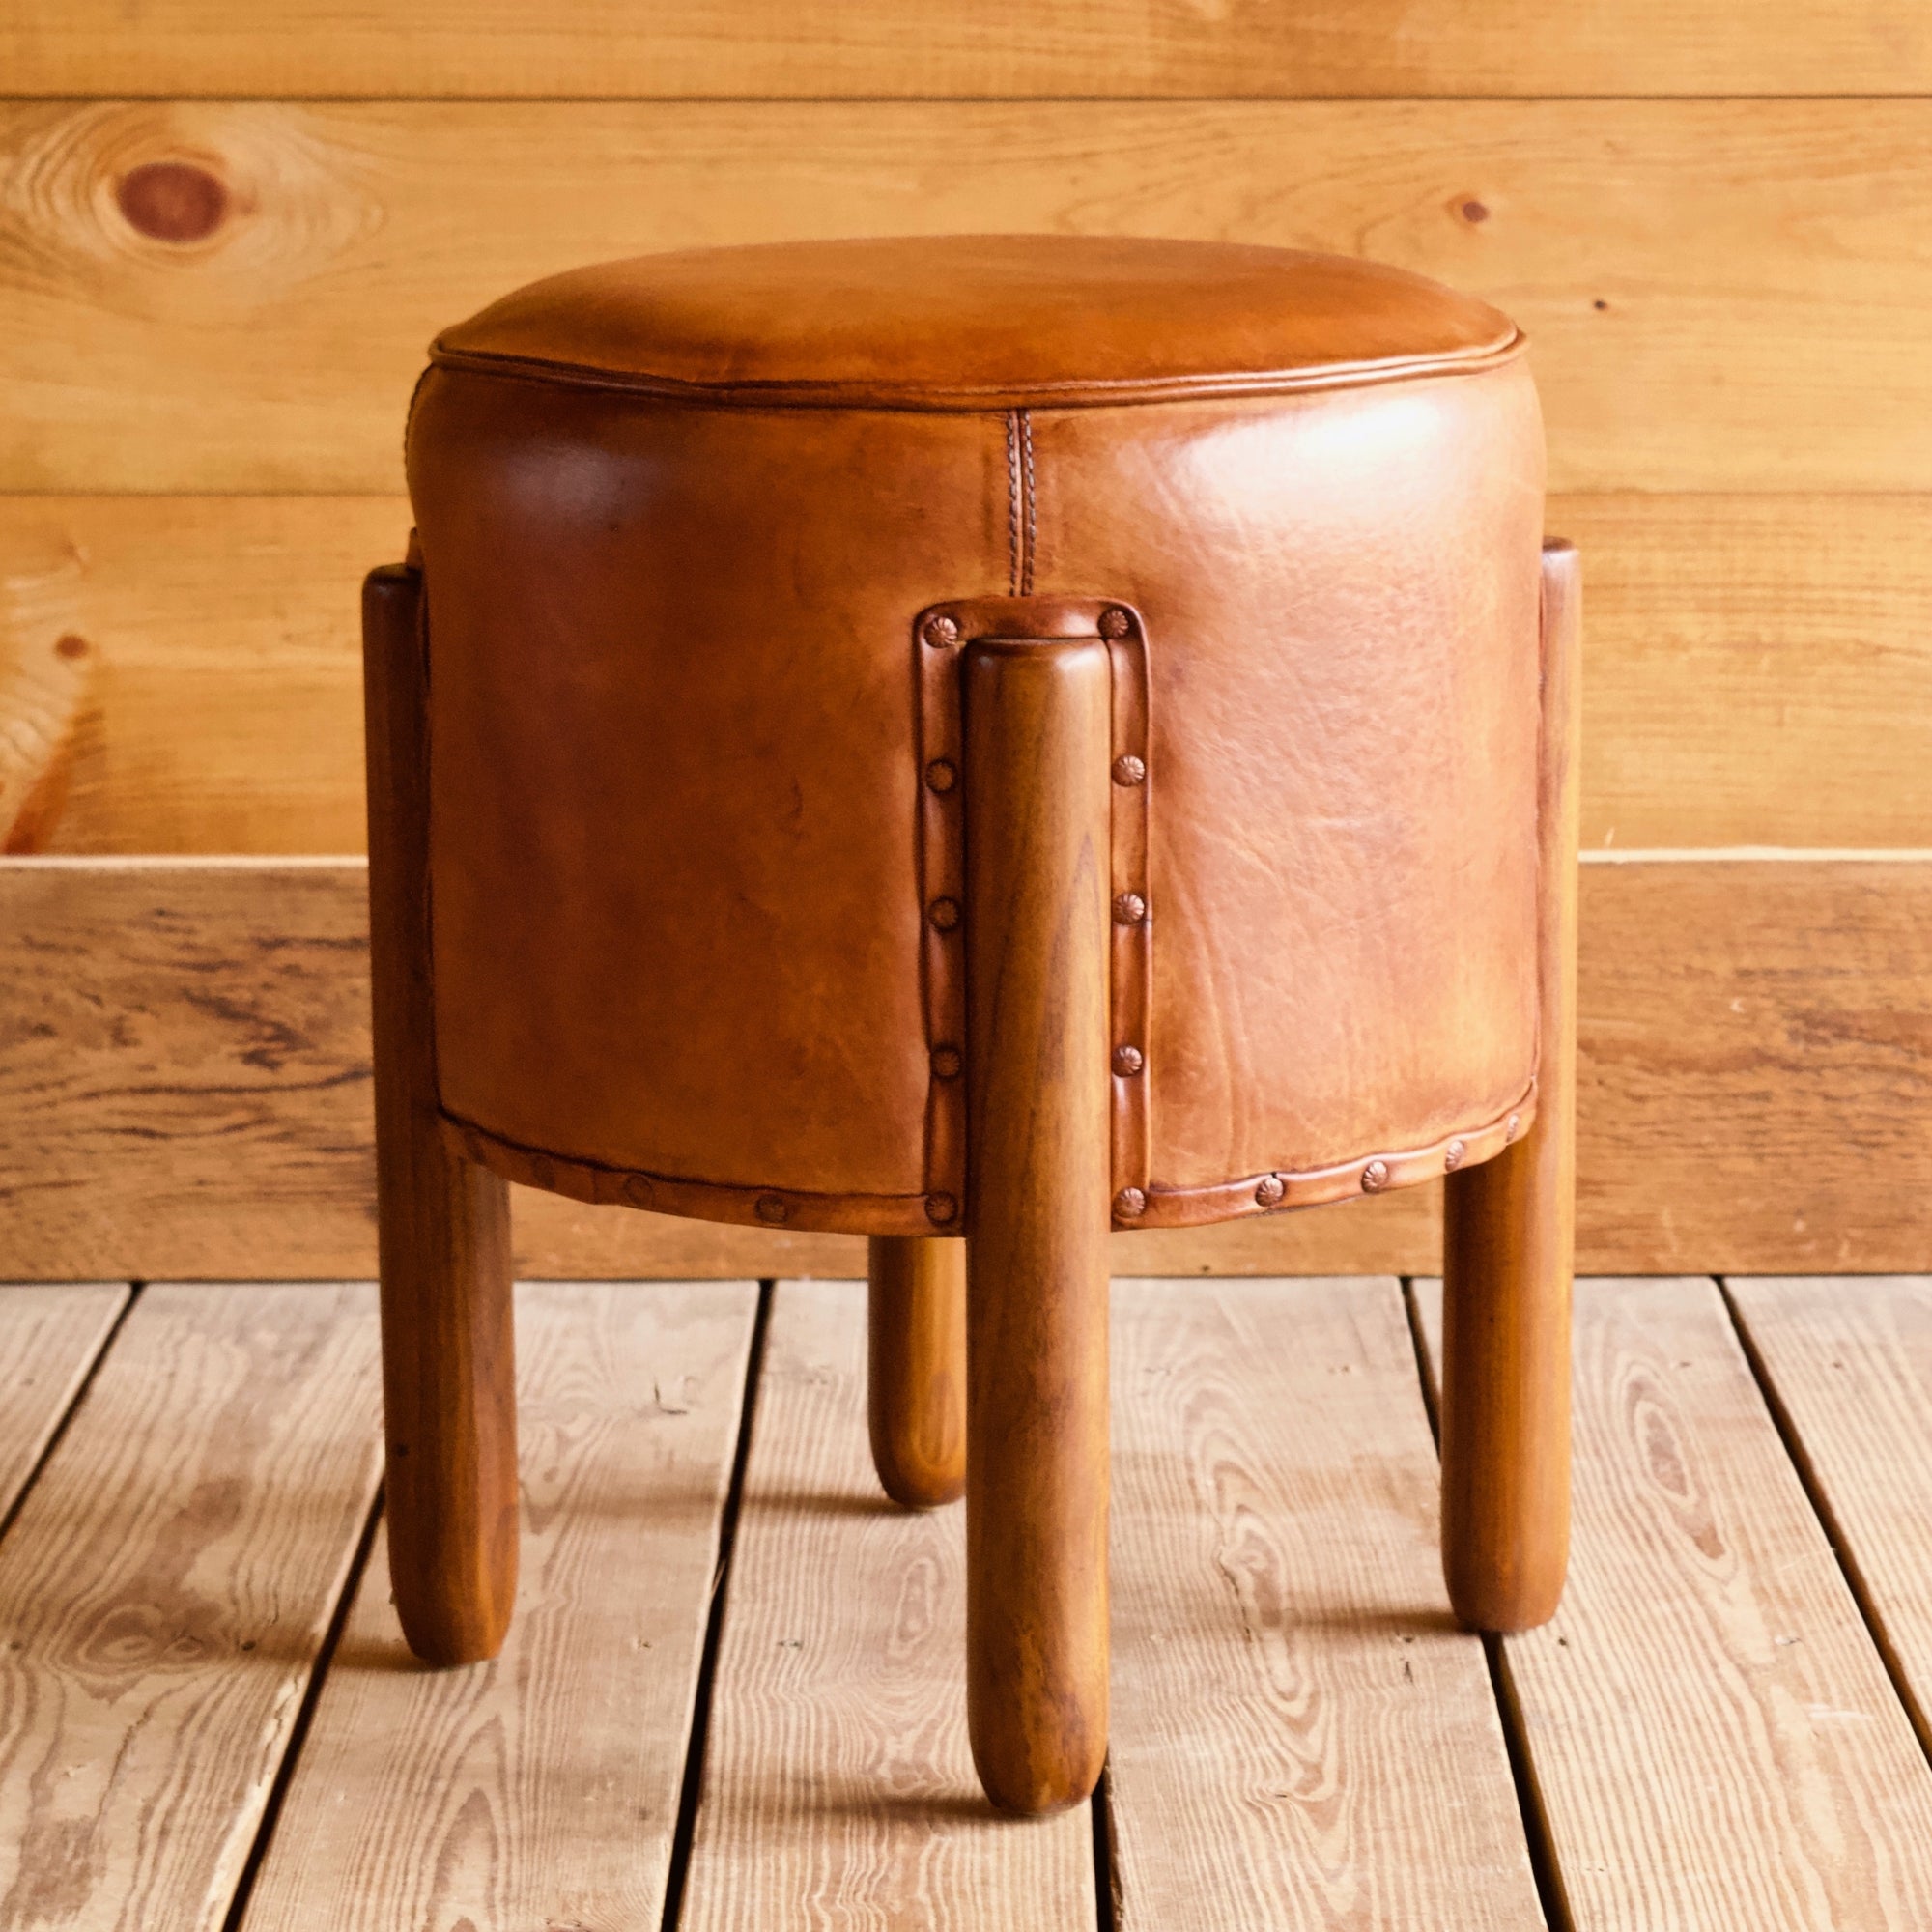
989, 737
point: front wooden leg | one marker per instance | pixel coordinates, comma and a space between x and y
916, 1376
1037, 734
1508, 1237
448, 1373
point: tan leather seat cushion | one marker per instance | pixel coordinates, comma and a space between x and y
980, 321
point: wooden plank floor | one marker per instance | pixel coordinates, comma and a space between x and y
731, 1698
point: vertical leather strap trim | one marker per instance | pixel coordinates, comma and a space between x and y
1132, 959
940, 782
939, 634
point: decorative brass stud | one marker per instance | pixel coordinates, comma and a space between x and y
1270, 1190
944, 915
1130, 909
1452, 1156
1510, 1125
941, 1209
946, 1063
773, 1207
941, 631
1128, 770
1127, 1061
1375, 1176
942, 775
637, 1190
1115, 623
1130, 1204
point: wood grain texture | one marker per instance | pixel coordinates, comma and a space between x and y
450, 1391
1038, 741
1757, 669
165, 1592
1724, 294
224, 711
49, 1339
48, 689
1301, 1734
838, 1789
916, 1368
540, 1789
1711, 1731
593, 47
1758, 666
184, 1088
1754, 1066
1849, 1364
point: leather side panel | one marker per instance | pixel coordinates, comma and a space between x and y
1341, 597
674, 771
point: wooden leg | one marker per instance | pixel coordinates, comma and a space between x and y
448, 1376
1037, 739
916, 1380
1508, 1237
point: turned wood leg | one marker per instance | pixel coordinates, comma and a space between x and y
916, 1376
448, 1378
1507, 1237
1037, 738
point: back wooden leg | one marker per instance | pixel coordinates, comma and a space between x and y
1508, 1237
916, 1382
448, 1373
1037, 739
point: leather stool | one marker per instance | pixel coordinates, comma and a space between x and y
985, 737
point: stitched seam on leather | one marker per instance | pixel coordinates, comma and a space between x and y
1013, 501
791, 394
1032, 505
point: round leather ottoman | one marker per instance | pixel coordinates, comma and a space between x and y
987, 738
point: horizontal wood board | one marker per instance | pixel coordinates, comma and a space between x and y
184, 1087
1301, 1735
541, 1788
838, 1789
1089, 48
1722, 295
164, 1593
1710, 1732
1757, 669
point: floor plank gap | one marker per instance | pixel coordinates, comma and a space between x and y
1816, 1495
271, 1811
1528, 1800
165, 1592
76, 1395
1419, 1337
692, 1789
1106, 1891
839, 1790
539, 1787
1713, 1737
1302, 1734
1556, 1912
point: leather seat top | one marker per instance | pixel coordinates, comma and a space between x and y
978, 322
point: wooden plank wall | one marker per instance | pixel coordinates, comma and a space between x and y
224, 242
